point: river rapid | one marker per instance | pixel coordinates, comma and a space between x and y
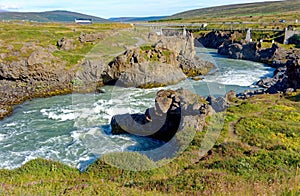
74, 129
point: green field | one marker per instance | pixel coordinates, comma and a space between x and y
22, 38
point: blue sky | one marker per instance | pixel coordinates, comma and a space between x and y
116, 8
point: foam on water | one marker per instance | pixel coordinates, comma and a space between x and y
2, 137
239, 73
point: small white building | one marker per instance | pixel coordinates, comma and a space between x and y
83, 21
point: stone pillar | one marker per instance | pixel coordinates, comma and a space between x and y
248, 35
184, 32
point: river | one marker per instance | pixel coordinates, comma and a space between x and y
74, 129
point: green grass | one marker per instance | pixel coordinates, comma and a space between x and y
113, 45
258, 152
17, 34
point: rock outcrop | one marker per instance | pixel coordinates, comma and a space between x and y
143, 69
88, 76
293, 72
214, 39
251, 51
194, 67
286, 77
91, 37
39, 75
66, 44
173, 112
169, 61
160, 122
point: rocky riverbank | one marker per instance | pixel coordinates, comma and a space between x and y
168, 60
287, 74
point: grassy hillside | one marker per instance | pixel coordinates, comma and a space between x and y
137, 19
258, 153
51, 16
243, 10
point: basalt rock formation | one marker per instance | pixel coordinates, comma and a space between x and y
286, 77
91, 37
214, 39
229, 44
253, 51
39, 75
173, 112
169, 61
133, 69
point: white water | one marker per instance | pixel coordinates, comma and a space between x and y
74, 129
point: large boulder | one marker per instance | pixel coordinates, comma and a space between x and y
173, 112
194, 67
218, 104
160, 122
66, 44
135, 68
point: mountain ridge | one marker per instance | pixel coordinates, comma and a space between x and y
49, 16
240, 9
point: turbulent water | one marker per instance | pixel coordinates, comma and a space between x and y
74, 129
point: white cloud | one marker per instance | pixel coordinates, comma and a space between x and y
9, 6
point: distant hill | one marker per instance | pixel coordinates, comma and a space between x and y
50, 16
137, 19
241, 10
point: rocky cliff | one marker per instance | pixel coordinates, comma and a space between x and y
39, 75
168, 61
253, 51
